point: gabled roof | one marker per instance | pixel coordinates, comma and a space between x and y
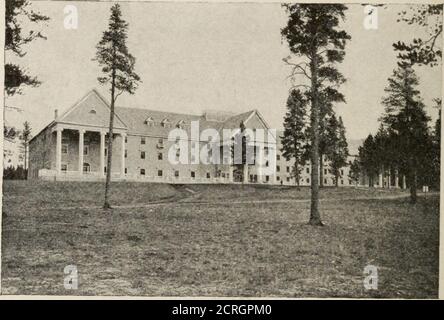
80, 112
133, 119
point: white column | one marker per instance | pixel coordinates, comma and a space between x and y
102, 154
81, 134
59, 151
404, 183
396, 179
122, 163
381, 181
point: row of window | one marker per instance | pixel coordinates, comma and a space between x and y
65, 149
307, 170
278, 178
177, 174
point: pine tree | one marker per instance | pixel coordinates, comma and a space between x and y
368, 159
25, 137
294, 137
15, 39
313, 36
340, 150
118, 71
406, 121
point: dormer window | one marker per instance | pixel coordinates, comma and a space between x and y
93, 111
149, 121
180, 124
166, 123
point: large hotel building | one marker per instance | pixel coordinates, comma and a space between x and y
73, 147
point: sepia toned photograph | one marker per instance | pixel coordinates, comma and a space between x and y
202, 149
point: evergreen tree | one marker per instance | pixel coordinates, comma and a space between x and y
368, 159
118, 71
422, 51
25, 137
406, 121
340, 150
294, 137
15, 39
312, 34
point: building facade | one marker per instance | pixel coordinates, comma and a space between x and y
157, 146
74, 146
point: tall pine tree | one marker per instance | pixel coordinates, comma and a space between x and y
313, 36
118, 72
406, 121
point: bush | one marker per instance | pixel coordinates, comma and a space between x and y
12, 173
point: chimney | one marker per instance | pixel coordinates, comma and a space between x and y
56, 114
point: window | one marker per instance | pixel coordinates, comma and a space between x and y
288, 169
159, 173
142, 172
267, 178
160, 143
85, 150
278, 157
104, 169
266, 163
142, 154
308, 180
342, 181
92, 111
266, 151
64, 167
86, 167
176, 174
126, 139
166, 123
65, 148
160, 156
208, 175
126, 170
342, 172
278, 168
325, 171
308, 170
288, 179
126, 153
325, 181
142, 140
106, 152
149, 121
193, 174
278, 178
180, 124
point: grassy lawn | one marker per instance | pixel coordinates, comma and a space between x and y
216, 241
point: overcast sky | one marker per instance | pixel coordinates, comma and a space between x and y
193, 57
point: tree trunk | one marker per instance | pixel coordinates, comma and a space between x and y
296, 172
321, 170
25, 166
106, 204
315, 217
413, 186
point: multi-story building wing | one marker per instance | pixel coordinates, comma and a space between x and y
147, 146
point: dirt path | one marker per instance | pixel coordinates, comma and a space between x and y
188, 200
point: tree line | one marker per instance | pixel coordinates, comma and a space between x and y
406, 141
